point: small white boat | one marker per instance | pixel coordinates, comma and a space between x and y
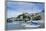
32, 26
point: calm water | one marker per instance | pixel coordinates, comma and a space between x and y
23, 25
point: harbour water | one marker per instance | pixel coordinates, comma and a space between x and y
24, 25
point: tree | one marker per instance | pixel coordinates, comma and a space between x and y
37, 17
24, 17
9, 20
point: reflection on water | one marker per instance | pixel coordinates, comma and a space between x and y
23, 25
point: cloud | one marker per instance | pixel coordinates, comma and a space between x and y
16, 13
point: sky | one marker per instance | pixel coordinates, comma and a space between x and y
16, 8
